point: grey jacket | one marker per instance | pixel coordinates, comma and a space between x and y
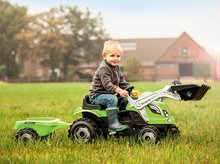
107, 78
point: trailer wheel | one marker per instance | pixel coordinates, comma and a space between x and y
83, 130
148, 135
26, 134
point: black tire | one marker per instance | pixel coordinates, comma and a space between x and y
173, 132
148, 135
27, 134
83, 130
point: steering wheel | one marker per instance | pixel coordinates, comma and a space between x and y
129, 89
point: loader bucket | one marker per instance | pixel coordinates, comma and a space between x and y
191, 91
201, 92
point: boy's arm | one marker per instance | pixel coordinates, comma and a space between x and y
124, 84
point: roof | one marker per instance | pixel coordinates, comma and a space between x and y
147, 50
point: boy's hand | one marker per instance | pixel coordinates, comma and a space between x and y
121, 92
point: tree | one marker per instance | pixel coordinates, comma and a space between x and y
52, 40
86, 35
43, 37
63, 36
12, 21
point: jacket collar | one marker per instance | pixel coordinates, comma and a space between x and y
109, 64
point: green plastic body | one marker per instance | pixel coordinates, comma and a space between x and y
42, 125
160, 119
152, 117
46, 125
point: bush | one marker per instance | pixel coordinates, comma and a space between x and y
132, 68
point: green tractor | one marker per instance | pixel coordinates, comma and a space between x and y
147, 116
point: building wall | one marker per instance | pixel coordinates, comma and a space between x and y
148, 73
214, 71
167, 71
183, 51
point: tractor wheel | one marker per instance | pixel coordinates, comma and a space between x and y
173, 132
83, 130
26, 134
148, 135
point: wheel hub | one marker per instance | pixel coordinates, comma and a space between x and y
82, 134
27, 136
148, 137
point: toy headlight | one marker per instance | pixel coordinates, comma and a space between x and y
169, 120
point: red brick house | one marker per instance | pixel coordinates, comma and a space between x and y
161, 58
170, 58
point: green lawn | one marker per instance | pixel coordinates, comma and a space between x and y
199, 123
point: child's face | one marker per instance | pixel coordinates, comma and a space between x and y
113, 57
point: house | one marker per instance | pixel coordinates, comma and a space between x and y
161, 58
170, 58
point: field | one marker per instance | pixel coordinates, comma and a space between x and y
199, 123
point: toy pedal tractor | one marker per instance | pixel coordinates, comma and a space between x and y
147, 117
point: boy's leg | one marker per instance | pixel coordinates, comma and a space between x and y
111, 102
113, 122
108, 100
122, 103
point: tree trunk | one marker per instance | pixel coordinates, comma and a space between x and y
65, 67
53, 75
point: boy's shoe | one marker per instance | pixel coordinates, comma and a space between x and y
113, 122
114, 131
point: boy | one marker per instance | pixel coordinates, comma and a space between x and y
108, 81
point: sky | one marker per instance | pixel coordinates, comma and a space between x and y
148, 18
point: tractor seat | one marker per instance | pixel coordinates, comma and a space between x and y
87, 105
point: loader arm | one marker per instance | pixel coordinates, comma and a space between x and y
177, 92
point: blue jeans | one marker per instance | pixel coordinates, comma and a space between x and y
108, 100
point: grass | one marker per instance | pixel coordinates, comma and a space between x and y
199, 123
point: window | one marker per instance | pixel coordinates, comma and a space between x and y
128, 46
166, 66
185, 51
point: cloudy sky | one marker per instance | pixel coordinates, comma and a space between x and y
149, 18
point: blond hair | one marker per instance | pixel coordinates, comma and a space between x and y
111, 45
